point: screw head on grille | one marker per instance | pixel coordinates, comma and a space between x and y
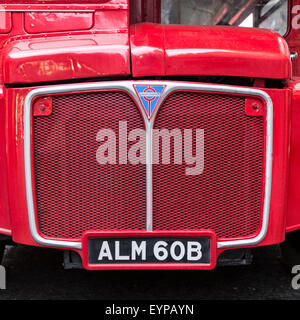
42, 107
253, 107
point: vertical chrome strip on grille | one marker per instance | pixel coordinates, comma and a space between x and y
149, 178
128, 87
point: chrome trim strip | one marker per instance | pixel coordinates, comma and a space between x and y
149, 226
128, 87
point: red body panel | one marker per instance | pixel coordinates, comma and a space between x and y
193, 50
293, 216
38, 22
293, 40
6, 22
62, 5
103, 51
5, 227
81, 56
292, 36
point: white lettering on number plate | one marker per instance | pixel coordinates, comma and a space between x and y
161, 250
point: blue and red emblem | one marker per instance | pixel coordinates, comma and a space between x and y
149, 96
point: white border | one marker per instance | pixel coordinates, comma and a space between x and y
128, 87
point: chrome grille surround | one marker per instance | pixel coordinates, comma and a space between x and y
128, 87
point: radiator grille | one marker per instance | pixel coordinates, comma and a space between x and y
73, 192
227, 196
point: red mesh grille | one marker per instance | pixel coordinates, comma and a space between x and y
227, 196
73, 192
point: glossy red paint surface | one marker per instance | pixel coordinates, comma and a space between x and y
293, 34
38, 22
201, 50
14, 141
281, 143
293, 40
5, 22
103, 51
78, 56
293, 212
62, 5
5, 226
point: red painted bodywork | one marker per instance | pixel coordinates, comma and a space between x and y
102, 51
293, 216
6, 23
37, 51
39, 22
5, 226
193, 50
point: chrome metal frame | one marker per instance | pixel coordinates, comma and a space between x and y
128, 87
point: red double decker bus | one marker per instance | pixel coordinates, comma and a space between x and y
150, 134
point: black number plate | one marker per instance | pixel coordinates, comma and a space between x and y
149, 250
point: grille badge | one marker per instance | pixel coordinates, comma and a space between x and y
149, 96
